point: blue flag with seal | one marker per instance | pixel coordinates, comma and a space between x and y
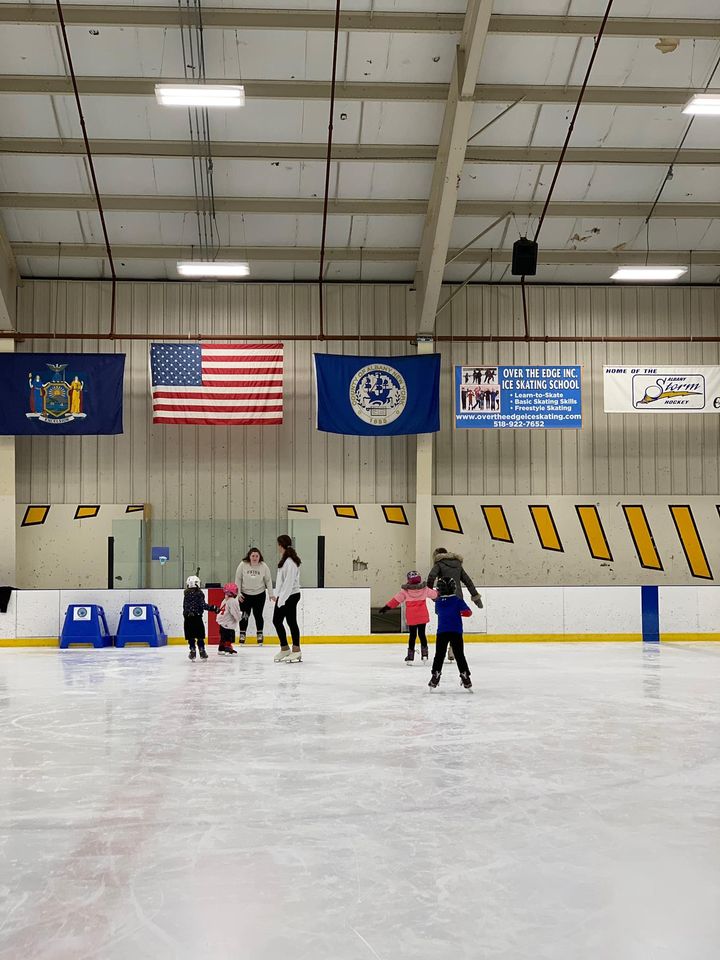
51, 394
378, 396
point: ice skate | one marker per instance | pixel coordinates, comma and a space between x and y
295, 656
451, 656
230, 650
260, 639
434, 680
221, 650
465, 681
282, 654
410, 656
241, 638
423, 653
203, 653
192, 654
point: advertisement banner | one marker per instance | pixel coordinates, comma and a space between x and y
519, 397
666, 389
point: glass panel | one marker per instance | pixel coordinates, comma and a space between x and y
212, 549
128, 554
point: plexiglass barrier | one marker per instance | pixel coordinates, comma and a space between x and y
212, 549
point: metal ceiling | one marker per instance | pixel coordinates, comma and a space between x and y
396, 63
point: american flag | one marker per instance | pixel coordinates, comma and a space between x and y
217, 383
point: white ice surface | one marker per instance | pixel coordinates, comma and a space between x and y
152, 808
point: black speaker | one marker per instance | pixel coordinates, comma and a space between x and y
524, 258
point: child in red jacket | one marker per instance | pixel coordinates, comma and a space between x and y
414, 595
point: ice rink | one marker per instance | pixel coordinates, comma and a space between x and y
339, 810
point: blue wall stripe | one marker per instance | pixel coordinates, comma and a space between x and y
650, 615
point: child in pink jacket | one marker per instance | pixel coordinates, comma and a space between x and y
414, 595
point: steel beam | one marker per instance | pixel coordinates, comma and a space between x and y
449, 164
8, 282
231, 18
287, 254
310, 206
363, 153
319, 90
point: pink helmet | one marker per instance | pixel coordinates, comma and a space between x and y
231, 589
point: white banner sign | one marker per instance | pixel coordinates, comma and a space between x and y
677, 389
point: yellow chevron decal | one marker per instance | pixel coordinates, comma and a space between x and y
496, 523
34, 516
347, 511
86, 511
395, 514
545, 528
448, 519
642, 537
691, 543
592, 527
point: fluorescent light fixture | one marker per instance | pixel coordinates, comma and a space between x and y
648, 273
213, 268
199, 95
703, 105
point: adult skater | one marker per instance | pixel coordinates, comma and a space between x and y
450, 610
254, 583
450, 565
287, 598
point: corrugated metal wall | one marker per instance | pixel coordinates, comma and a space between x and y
202, 473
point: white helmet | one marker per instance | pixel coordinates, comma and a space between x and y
192, 582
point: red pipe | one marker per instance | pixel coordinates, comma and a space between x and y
91, 164
18, 336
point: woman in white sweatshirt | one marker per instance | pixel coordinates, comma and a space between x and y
254, 582
287, 597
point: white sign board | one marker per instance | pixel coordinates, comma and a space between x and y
138, 613
81, 613
676, 389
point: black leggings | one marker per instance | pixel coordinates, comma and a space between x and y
417, 630
455, 641
288, 611
254, 605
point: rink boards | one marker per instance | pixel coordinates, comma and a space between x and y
510, 614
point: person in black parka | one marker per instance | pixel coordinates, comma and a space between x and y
446, 564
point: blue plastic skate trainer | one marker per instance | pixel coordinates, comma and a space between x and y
85, 623
140, 623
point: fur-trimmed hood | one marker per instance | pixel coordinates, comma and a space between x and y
440, 556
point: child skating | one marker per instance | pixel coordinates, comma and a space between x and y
228, 618
414, 595
450, 610
193, 608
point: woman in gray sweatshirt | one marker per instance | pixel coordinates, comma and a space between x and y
254, 583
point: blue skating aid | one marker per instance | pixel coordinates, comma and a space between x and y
140, 623
85, 623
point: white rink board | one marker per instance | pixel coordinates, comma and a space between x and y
328, 612
593, 610
523, 612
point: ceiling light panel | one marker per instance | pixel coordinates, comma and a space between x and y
199, 95
215, 268
648, 273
